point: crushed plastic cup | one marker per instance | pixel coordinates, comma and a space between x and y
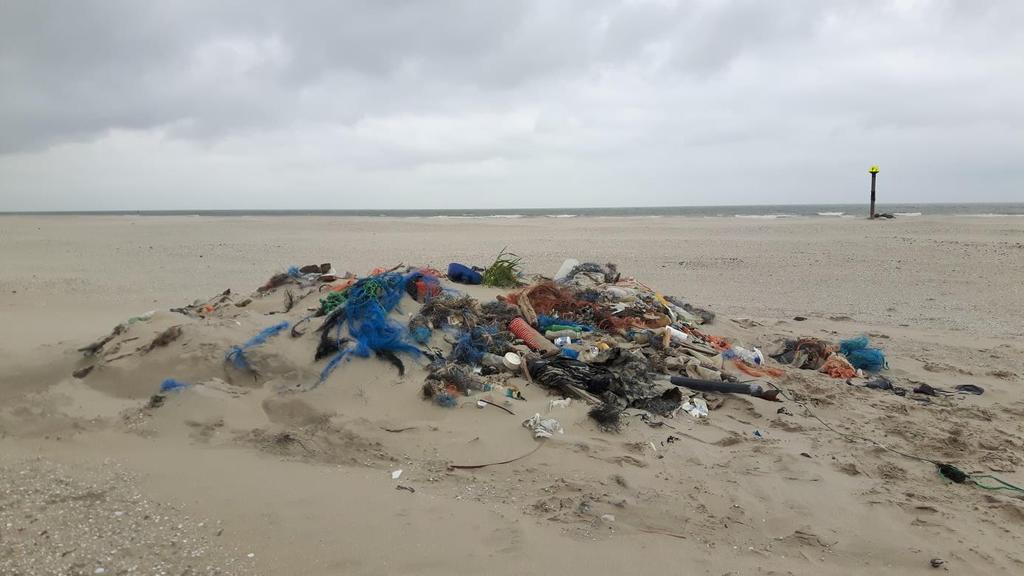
396, 474
543, 427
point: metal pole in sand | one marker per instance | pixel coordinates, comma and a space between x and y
874, 172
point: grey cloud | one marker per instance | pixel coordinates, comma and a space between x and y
74, 69
450, 95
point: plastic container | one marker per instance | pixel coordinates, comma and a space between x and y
563, 341
512, 361
463, 274
533, 339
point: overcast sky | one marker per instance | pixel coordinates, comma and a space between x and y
466, 104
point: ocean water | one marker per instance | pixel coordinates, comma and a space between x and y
764, 212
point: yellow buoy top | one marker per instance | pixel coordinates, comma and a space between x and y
873, 170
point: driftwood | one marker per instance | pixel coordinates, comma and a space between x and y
95, 347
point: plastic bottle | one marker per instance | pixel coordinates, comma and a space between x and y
555, 334
753, 357
493, 360
677, 335
563, 341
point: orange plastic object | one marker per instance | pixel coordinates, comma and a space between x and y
533, 339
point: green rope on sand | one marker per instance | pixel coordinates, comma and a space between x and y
1003, 485
947, 471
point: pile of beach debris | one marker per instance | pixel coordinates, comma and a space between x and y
587, 333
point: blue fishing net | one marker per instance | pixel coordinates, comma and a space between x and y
471, 345
861, 355
370, 300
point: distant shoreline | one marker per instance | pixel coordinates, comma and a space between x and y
761, 212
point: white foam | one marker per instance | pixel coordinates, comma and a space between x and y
830, 213
906, 213
562, 215
476, 216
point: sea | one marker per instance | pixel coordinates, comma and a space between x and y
774, 211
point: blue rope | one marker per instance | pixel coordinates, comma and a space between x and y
369, 303
237, 353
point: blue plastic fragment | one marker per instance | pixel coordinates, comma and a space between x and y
172, 385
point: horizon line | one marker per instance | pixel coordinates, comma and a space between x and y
459, 209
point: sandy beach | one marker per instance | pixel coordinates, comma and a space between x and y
96, 483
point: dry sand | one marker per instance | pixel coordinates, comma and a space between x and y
247, 479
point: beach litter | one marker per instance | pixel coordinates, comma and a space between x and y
543, 427
591, 335
172, 385
696, 407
